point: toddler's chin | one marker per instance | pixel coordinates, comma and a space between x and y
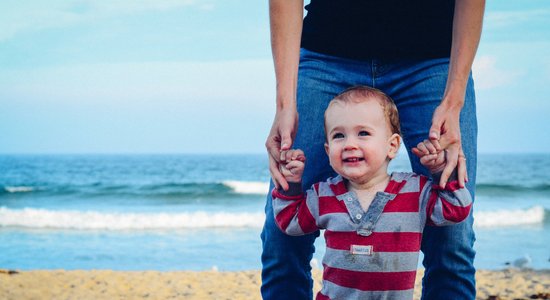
352, 178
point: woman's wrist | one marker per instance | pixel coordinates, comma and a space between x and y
454, 98
455, 91
285, 106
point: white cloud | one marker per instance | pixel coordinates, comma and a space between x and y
488, 75
500, 19
207, 6
118, 7
31, 16
246, 83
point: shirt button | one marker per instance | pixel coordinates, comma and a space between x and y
364, 232
358, 216
349, 199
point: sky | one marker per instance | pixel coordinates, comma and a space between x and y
196, 76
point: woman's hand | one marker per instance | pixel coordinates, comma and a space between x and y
445, 135
279, 140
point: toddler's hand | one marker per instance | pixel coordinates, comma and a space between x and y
292, 167
430, 158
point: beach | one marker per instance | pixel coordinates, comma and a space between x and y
106, 284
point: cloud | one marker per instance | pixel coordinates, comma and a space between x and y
502, 19
488, 75
245, 83
118, 7
34, 16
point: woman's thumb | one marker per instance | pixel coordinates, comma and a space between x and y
286, 141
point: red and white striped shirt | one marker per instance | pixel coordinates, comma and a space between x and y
372, 254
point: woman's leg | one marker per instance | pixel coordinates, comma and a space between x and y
417, 88
286, 260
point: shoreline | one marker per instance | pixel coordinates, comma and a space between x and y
107, 284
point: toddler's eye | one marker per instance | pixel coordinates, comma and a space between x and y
338, 135
363, 133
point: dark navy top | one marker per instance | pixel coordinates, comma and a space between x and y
379, 29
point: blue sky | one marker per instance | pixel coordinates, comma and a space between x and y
195, 76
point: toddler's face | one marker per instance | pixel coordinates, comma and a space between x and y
359, 140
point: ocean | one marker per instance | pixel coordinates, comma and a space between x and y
203, 212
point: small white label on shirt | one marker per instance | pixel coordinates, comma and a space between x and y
361, 249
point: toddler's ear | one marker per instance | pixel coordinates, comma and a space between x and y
327, 148
394, 143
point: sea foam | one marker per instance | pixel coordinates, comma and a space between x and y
18, 189
500, 218
248, 187
82, 220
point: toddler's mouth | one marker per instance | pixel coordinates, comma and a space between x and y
353, 159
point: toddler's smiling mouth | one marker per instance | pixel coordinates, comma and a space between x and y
353, 159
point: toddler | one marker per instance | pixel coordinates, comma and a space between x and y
373, 221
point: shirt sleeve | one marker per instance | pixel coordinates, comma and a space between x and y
291, 209
446, 206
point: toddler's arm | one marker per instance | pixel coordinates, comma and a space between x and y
291, 208
445, 205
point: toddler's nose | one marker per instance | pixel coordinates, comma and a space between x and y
350, 144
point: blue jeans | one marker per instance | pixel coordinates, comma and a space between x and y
417, 87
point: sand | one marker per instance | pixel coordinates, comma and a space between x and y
104, 284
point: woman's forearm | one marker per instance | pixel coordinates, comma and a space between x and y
467, 24
286, 18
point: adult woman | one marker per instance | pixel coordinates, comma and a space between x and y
420, 53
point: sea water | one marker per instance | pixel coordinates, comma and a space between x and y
198, 212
